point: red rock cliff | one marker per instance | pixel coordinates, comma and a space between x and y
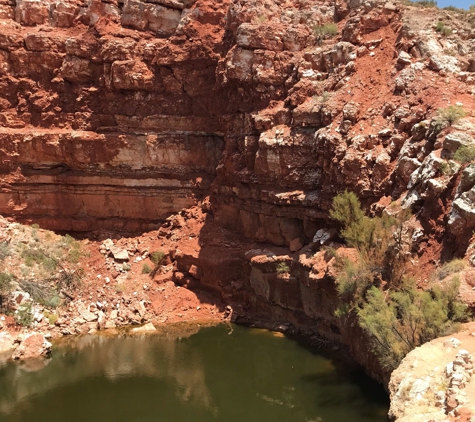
118, 114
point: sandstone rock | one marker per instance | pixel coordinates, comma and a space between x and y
239, 64
441, 62
34, 345
97, 9
452, 342
119, 254
132, 75
32, 12
87, 314
175, 4
254, 36
75, 69
406, 167
147, 328
462, 216
455, 140
7, 343
322, 236
63, 14
404, 58
139, 15
295, 245
108, 244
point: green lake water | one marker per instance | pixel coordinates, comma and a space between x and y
223, 373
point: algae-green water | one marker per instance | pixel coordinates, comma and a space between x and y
223, 373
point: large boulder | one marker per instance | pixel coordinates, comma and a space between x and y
34, 345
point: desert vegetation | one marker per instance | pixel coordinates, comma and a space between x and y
374, 288
41, 264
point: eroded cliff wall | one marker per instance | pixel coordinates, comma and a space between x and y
110, 113
117, 114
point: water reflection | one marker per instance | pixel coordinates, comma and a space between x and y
182, 376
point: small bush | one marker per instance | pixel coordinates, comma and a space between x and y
447, 31
449, 268
346, 208
24, 315
157, 257
439, 26
328, 30
446, 169
423, 3
146, 269
6, 284
408, 318
4, 250
443, 29
39, 292
353, 279
282, 268
74, 255
37, 256
54, 302
52, 318
450, 114
465, 154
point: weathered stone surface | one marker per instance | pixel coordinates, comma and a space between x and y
75, 69
455, 140
34, 345
140, 15
132, 75
7, 343
147, 328
32, 12
87, 314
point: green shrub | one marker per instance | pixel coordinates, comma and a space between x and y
40, 292
53, 302
423, 3
408, 318
4, 250
465, 154
447, 31
449, 268
328, 30
450, 114
74, 255
282, 268
346, 208
146, 269
52, 317
24, 315
157, 257
439, 26
402, 317
443, 29
353, 279
6, 281
368, 235
37, 256
447, 168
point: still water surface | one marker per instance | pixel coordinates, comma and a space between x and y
224, 373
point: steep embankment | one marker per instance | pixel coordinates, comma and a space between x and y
115, 115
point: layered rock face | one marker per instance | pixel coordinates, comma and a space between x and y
117, 114
106, 122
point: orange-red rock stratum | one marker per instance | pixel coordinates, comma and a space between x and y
235, 123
